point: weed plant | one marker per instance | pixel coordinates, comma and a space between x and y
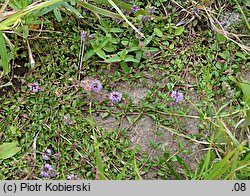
124, 90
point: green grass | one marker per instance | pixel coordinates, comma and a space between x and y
147, 135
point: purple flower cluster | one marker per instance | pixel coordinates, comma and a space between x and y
72, 177
48, 171
135, 8
46, 154
34, 87
116, 20
126, 13
115, 97
223, 23
151, 10
144, 18
177, 96
96, 85
83, 35
196, 10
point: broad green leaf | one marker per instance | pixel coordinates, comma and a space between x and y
103, 43
8, 150
72, 2
241, 55
13, 129
94, 45
158, 32
179, 30
171, 47
245, 87
125, 67
153, 49
130, 58
148, 40
24, 30
88, 55
57, 14
113, 59
7, 84
105, 114
138, 55
123, 54
116, 30
225, 55
3, 54
221, 38
135, 48
109, 47
101, 54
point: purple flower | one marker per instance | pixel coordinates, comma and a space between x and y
44, 174
48, 171
34, 87
135, 8
177, 96
46, 154
116, 20
151, 10
223, 23
72, 177
196, 10
96, 85
83, 35
144, 18
137, 35
115, 97
248, 19
126, 13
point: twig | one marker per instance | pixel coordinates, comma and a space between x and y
76, 150
134, 121
34, 156
31, 59
120, 127
187, 137
3, 8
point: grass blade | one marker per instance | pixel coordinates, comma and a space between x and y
206, 163
3, 54
137, 171
172, 171
122, 173
124, 17
221, 167
98, 157
15, 18
98, 10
